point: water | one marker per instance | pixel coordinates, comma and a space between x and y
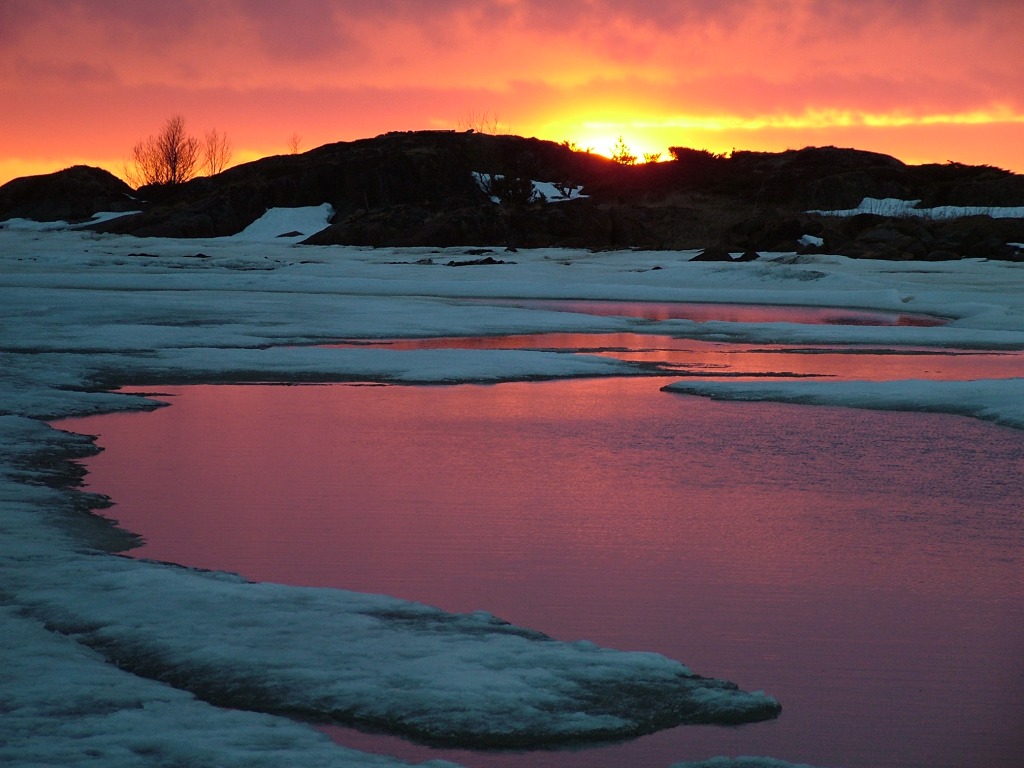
864, 568
733, 313
692, 357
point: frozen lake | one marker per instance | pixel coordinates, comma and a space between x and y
862, 567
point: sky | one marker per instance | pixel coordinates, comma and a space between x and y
923, 80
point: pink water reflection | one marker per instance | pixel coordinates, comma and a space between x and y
734, 313
707, 358
865, 568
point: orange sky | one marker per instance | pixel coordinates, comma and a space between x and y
924, 80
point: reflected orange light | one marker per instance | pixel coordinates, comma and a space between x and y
968, 137
690, 357
601, 139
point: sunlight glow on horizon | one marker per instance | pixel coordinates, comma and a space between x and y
81, 81
652, 135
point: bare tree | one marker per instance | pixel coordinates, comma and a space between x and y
170, 157
216, 152
294, 142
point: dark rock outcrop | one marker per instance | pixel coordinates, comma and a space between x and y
419, 188
713, 254
74, 194
909, 238
383, 190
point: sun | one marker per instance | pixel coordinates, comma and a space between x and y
621, 144
609, 137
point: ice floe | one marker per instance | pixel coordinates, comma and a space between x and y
62, 704
367, 660
992, 400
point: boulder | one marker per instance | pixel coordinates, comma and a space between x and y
713, 254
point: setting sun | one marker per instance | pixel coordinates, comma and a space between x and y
609, 145
605, 136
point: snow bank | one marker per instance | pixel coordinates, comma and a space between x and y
287, 224
891, 206
28, 225
546, 191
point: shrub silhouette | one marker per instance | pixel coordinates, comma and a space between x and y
511, 190
622, 154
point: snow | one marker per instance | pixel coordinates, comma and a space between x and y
113, 661
546, 191
555, 193
33, 226
48, 226
106, 216
289, 224
891, 206
76, 710
996, 400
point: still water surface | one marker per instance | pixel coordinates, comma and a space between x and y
733, 313
692, 357
865, 568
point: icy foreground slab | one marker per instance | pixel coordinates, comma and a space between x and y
61, 705
372, 661
1000, 401
322, 654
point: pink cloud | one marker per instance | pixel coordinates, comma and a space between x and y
259, 69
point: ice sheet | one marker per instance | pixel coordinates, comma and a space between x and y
1000, 401
81, 312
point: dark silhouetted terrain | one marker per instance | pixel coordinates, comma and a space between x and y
419, 188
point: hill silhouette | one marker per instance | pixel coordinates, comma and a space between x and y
446, 188
74, 194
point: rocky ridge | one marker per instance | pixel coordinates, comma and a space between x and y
446, 188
